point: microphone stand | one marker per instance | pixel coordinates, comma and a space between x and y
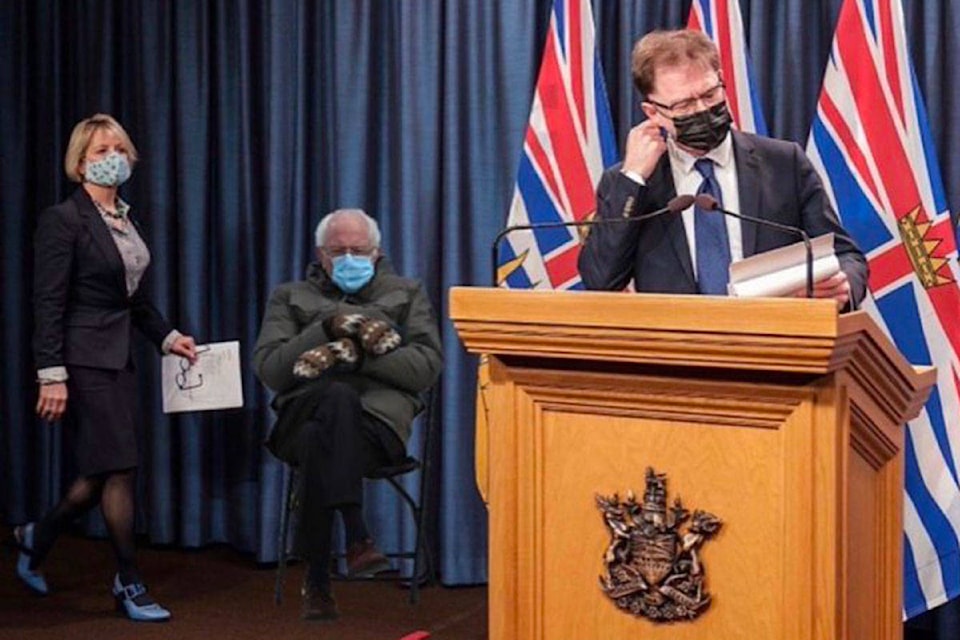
809, 251
676, 205
709, 203
495, 247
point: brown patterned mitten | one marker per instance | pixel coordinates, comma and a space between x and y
313, 362
345, 325
378, 337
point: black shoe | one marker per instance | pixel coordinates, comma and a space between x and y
318, 604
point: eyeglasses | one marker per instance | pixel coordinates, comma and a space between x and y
182, 379
336, 252
710, 97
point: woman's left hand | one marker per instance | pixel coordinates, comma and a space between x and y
186, 347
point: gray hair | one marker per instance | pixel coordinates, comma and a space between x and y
372, 225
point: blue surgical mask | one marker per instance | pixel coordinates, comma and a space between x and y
110, 171
352, 273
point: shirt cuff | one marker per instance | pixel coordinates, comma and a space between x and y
49, 375
636, 177
168, 341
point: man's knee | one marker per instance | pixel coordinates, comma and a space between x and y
339, 399
335, 421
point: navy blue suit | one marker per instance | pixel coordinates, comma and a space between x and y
777, 182
83, 315
84, 321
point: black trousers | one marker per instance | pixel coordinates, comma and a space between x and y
333, 449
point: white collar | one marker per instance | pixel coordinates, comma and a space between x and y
722, 155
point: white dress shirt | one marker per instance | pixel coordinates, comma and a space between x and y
687, 180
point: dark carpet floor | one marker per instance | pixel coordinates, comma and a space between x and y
219, 593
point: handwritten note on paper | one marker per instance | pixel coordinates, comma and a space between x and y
212, 382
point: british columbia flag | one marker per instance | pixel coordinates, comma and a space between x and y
871, 142
721, 21
568, 141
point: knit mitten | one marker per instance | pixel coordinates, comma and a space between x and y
313, 362
344, 325
378, 337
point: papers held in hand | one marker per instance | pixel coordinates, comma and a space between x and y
782, 271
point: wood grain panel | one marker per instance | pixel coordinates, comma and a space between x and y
776, 415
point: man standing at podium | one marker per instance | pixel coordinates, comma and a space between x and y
686, 146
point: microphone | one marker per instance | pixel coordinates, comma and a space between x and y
676, 205
708, 203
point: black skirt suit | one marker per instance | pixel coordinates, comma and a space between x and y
84, 320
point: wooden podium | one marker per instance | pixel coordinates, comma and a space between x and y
777, 415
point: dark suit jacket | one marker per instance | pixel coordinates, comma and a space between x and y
776, 182
82, 313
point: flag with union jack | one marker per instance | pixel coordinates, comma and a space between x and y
871, 142
721, 21
568, 141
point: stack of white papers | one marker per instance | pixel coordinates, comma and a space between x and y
782, 271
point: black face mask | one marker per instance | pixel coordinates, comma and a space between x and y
703, 130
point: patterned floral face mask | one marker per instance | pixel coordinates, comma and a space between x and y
110, 171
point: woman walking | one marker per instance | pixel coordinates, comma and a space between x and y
89, 263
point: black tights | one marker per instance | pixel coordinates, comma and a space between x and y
113, 490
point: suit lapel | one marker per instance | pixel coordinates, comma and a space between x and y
100, 234
748, 176
662, 190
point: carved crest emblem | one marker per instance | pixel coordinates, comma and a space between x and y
652, 561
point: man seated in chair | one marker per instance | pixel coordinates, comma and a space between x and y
348, 351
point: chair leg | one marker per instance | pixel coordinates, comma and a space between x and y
423, 559
423, 570
282, 541
417, 555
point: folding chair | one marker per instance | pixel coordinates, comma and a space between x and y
423, 572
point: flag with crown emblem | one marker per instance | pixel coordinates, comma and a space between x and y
871, 143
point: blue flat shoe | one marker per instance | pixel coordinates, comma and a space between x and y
30, 577
133, 600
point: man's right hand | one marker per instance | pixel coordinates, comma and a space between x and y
52, 401
645, 145
344, 325
314, 362
376, 337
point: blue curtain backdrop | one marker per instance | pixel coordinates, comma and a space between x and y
253, 118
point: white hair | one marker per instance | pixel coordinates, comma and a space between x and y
374, 228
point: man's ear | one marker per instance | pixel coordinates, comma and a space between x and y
650, 111
324, 261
